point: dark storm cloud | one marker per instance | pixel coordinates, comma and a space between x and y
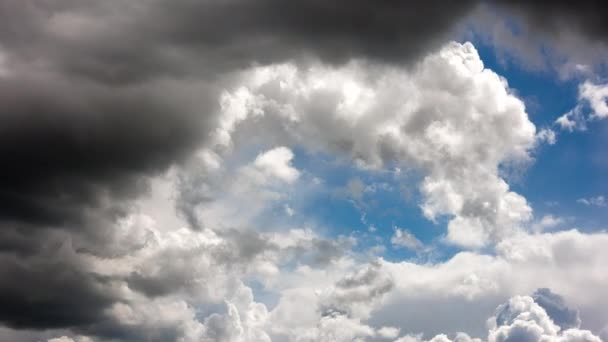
121, 41
50, 293
557, 36
65, 147
586, 17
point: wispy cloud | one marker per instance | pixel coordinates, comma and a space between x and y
598, 201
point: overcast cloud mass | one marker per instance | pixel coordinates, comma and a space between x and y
305, 170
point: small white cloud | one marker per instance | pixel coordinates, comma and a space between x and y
547, 222
277, 163
61, 339
546, 135
598, 201
595, 96
572, 120
288, 210
388, 332
405, 239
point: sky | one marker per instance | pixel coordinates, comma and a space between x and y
304, 170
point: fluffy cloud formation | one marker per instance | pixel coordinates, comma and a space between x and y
449, 117
276, 163
522, 319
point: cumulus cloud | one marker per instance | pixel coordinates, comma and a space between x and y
464, 290
522, 319
450, 96
277, 163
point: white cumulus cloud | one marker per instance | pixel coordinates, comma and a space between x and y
449, 117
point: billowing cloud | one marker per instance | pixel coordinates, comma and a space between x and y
277, 163
522, 319
449, 117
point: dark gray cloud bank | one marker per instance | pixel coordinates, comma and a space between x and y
584, 17
98, 96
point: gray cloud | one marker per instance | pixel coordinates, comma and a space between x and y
584, 17
118, 41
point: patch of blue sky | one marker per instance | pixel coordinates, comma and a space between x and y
369, 205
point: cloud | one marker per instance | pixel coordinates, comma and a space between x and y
179, 39
277, 163
592, 96
450, 96
598, 201
405, 239
547, 135
556, 36
561, 16
547, 222
347, 299
354, 293
388, 332
463, 290
521, 319
596, 95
